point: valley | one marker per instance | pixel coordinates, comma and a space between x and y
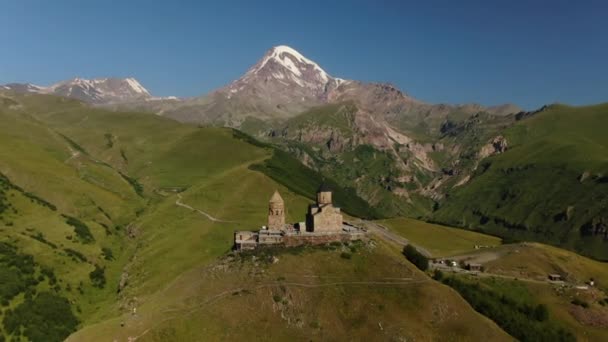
129, 218
118, 209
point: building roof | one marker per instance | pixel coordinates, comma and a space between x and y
276, 197
324, 188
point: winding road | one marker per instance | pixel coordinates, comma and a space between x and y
387, 234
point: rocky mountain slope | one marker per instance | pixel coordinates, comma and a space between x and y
329, 123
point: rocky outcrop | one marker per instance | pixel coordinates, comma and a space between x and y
596, 227
498, 145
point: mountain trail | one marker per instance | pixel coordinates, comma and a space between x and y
179, 203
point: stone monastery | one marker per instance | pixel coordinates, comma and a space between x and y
323, 224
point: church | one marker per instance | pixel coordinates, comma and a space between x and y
324, 223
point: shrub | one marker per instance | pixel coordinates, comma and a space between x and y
98, 277
523, 321
580, 302
107, 253
438, 275
415, 257
137, 187
541, 313
82, 230
75, 254
48, 317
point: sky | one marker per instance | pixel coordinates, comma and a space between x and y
527, 52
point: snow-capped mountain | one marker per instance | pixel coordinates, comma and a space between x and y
281, 84
95, 91
99, 91
284, 68
23, 88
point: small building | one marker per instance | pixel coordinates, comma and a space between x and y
245, 240
474, 267
555, 277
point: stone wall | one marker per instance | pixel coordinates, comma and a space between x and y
297, 240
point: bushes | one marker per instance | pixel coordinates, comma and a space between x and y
16, 272
48, 317
107, 253
6, 184
75, 255
525, 322
415, 257
345, 255
580, 302
137, 187
98, 277
82, 230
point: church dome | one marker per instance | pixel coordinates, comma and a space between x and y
324, 188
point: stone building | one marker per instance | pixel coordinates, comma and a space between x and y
276, 212
323, 217
323, 225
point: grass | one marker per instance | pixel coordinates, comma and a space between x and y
440, 241
304, 181
169, 254
535, 262
525, 193
557, 301
235, 298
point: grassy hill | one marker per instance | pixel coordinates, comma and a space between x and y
515, 280
550, 185
371, 294
92, 236
440, 241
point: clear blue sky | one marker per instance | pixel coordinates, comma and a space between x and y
525, 52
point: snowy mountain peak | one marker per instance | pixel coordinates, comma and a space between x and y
96, 91
105, 85
286, 64
292, 60
137, 87
102, 90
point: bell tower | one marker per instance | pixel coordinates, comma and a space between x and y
276, 212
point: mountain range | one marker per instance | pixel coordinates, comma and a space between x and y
100, 91
117, 220
401, 155
284, 84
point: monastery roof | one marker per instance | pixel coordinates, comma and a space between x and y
324, 188
276, 197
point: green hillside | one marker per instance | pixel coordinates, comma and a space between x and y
550, 186
110, 221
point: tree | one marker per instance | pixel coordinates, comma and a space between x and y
415, 257
541, 313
